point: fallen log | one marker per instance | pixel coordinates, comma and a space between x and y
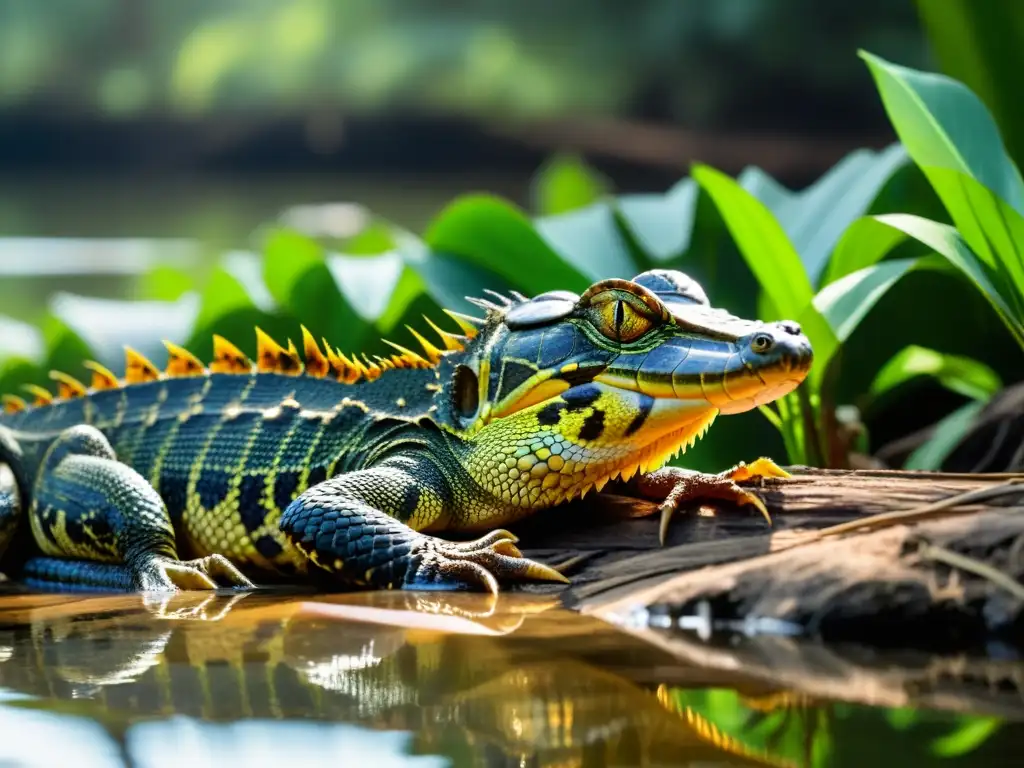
884, 557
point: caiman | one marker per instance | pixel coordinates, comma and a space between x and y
347, 467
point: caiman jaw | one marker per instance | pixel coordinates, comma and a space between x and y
644, 408
730, 375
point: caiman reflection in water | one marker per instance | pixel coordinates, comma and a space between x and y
520, 690
521, 685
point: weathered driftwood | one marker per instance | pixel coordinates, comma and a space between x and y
948, 575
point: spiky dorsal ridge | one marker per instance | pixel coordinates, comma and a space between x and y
271, 357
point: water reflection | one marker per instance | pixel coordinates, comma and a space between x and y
400, 677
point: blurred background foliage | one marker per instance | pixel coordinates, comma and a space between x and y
693, 63
171, 170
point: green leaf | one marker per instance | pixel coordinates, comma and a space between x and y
815, 218
762, 241
366, 283
491, 233
864, 243
450, 280
224, 293
846, 302
566, 183
590, 240
944, 240
166, 283
972, 733
963, 375
661, 224
952, 137
946, 436
944, 125
287, 256
979, 45
317, 289
773, 260
247, 269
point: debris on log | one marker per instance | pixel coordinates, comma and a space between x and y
898, 558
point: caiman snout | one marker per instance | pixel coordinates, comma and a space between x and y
780, 344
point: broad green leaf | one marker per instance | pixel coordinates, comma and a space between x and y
247, 269
762, 241
227, 308
978, 43
944, 125
867, 242
223, 293
815, 218
661, 225
864, 243
450, 280
305, 283
287, 256
166, 283
493, 234
845, 302
772, 259
16, 371
964, 375
952, 137
566, 183
590, 240
1002, 233
366, 283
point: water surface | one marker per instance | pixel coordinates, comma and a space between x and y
416, 679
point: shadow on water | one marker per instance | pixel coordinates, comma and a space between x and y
405, 678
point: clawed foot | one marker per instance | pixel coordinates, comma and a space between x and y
478, 564
164, 574
685, 485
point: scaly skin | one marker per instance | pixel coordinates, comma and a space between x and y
346, 469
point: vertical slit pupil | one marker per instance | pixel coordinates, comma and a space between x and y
620, 317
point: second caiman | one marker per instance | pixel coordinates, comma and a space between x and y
348, 467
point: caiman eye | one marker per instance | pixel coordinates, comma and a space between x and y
620, 321
762, 343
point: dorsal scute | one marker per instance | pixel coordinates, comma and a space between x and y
13, 403
272, 357
138, 369
68, 387
182, 363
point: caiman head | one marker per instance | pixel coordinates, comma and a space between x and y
559, 394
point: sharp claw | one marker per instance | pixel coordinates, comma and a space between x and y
506, 547
541, 572
488, 580
667, 510
755, 500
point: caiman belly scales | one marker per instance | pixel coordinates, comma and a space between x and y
347, 468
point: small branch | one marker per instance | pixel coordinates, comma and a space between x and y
977, 567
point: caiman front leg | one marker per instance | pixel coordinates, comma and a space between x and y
675, 486
351, 525
88, 506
